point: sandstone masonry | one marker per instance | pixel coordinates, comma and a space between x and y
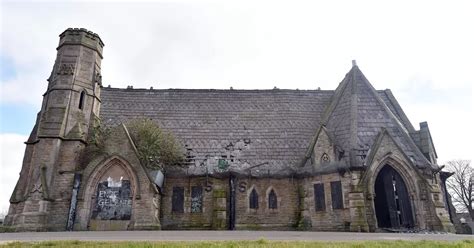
336, 160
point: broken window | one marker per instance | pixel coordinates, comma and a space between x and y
336, 195
272, 200
319, 199
177, 202
253, 200
196, 199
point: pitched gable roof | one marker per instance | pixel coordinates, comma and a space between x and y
269, 130
374, 114
358, 112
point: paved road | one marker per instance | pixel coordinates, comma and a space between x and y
222, 235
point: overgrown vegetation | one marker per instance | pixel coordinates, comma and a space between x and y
156, 147
95, 143
257, 243
5, 229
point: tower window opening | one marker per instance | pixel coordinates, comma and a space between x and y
82, 99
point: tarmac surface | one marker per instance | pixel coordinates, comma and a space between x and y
224, 235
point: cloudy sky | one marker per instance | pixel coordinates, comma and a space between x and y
422, 50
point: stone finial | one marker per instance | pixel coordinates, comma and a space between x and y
354, 63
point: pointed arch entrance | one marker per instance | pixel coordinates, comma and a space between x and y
110, 193
392, 202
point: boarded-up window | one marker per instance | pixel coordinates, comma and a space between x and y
336, 195
272, 200
114, 195
114, 201
319, 199
253, 200
177, 203
196, 199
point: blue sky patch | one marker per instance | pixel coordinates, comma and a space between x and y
7, 69
16, 118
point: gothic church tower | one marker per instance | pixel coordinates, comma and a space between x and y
71, 104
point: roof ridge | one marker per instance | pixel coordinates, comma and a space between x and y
353, 129
381, 102
211, 90
399, 110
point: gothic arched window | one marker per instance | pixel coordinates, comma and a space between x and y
272, 200
82, 99
253, 200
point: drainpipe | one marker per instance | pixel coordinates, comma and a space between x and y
232, 202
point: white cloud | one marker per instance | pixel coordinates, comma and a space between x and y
11, 157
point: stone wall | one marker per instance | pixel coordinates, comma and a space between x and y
329, 219
187, 219
283, 217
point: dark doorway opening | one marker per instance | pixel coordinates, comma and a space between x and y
392, 202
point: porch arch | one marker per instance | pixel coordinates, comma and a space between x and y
410, 179
392, 202
110, 173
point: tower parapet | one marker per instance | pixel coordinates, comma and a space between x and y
81, 36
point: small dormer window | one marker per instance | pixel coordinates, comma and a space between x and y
82, 99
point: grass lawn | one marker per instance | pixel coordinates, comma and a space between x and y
257, 243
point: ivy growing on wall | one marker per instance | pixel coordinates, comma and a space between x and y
157, 148
95, 146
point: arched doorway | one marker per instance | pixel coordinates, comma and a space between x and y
392, 202
112, 198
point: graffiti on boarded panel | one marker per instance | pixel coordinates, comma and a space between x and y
196, 199
113, 200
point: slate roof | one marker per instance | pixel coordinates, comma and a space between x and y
268, 129
359, 115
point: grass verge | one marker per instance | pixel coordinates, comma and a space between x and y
257, 243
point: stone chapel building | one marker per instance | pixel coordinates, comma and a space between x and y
331, 160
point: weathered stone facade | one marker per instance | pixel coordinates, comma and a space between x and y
255, 159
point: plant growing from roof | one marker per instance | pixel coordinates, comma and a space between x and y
157, 148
